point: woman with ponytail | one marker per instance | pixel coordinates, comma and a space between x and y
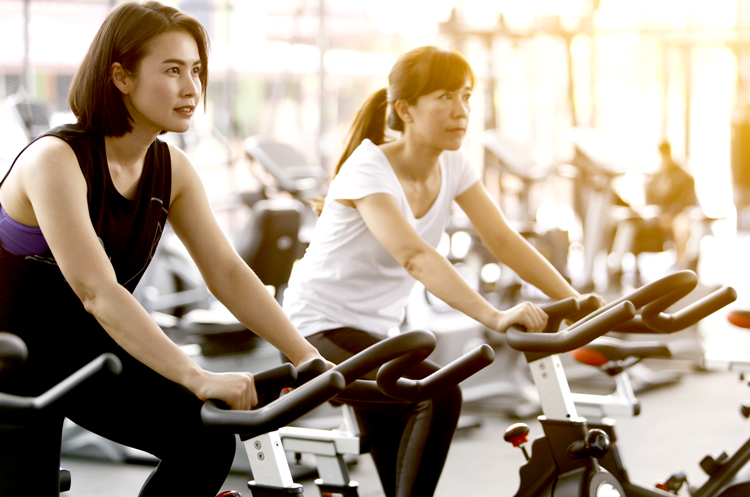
386, 210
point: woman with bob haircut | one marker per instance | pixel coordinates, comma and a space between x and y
82, 210
385, 212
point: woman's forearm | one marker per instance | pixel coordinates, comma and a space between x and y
131, 327
533, 267
440, 277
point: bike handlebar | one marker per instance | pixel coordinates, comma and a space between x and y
400, 352
279, 412
14, 405
570, 308
321, 389
654, 298
391, 382
573, 337
286, 375
654, 318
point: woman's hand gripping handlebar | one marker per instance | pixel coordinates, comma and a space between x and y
538, 345
318, 390
652, 299
319, 386
408, 349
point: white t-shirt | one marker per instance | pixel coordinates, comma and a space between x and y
347, 278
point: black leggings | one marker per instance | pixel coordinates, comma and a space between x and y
408, 442
139, 408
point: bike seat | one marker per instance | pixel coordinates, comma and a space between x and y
606, 349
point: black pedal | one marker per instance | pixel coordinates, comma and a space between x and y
712, 466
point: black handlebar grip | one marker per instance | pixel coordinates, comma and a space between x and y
653, 316
309, 370
378, 354
391, 382
561, 308
675, 286
364, 391
278, 413
557, 311
13, 351
105, 364
588, 305
570, 308
577, 335
670, 288
275, 378
414, 346
13, 405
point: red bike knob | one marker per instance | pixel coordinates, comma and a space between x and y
517, 434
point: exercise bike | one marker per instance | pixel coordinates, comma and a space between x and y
394, 357
728, 476
573, 458
20, 417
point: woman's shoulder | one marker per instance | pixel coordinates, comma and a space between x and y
181, 167
365, 172
368, 153
366, 158
49, 148
48, 157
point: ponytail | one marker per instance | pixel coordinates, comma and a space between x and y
368, 123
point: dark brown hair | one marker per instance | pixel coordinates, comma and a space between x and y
125, 37
415, 73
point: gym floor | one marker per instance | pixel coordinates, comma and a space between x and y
679, 424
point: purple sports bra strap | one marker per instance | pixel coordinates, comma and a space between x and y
19, 239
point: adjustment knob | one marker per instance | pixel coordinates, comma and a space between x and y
596, 444
517, 434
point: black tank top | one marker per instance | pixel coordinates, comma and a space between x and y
35, 300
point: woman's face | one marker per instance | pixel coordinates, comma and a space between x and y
167, 88
440, 118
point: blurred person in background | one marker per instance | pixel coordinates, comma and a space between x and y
672, 189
